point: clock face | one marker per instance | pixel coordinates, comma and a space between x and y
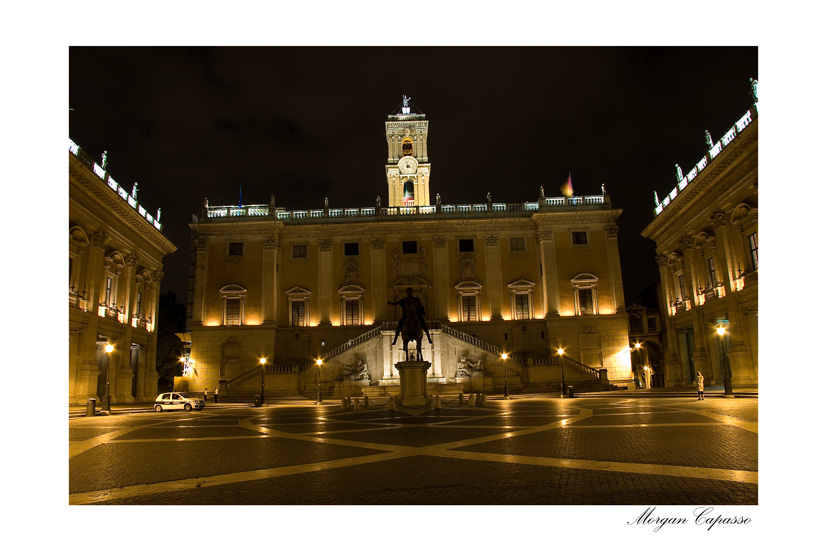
407, 165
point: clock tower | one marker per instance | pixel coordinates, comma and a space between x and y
408, 170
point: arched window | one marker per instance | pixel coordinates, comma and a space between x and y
407, 147
408, 193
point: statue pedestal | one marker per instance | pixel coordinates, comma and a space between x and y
343, 389
413, 379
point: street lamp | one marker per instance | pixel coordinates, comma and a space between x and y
319, 397
263, 362
560, 353
105, 406
505, 368
721, 330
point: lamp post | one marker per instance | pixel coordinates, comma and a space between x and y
319, 396
636, 363
505, 369
263, 362
560, 353
105, 406
721, 330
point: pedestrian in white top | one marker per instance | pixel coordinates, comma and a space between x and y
700, 381
215, 395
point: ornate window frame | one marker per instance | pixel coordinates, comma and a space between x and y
583, 283
232, 292
352, 293
299, 295
468, 289
521, 287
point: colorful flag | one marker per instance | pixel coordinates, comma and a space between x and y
567, 189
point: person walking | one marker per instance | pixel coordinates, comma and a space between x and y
700, 381
205, 394
215, 395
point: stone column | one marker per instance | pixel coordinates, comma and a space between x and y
613, 253
324, 280
199, 292
378, 279
86, 383
441, 279
494, 276
551, 290
269, 278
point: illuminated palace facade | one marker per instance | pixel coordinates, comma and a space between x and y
539, 280
706, 235
115, 269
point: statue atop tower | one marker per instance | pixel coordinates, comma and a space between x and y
407, 169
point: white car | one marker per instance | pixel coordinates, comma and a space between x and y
178, 400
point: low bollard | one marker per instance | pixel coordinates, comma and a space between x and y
258, 401
571, 391
90, 407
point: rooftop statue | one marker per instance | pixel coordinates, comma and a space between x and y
708, 138
754, 85
679, 173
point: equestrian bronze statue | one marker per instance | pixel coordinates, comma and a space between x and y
412, 325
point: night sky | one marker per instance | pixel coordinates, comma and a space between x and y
305, 123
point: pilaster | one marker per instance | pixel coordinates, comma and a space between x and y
493, 276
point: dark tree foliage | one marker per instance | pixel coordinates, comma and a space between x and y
172, 317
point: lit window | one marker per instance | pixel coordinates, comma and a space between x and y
521, 310
713, 281
753, 250
585, 301
108, 291
518, 243
138, 306
408, 193
407, 147
351, 312
466, 245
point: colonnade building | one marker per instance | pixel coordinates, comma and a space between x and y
273, 290
115, 269
706, 235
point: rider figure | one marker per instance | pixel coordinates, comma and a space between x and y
405, 303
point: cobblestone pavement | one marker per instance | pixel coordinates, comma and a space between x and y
593, 451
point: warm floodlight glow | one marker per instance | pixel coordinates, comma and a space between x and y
504, 356
637, 345
262, 361
721, 330
319, 362
109, 348
560, 351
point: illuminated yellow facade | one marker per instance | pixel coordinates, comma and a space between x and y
115, 269
291, 286
706, 235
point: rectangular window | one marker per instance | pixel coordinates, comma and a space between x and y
235, 249
409, 247
753, 250
299, 251
579, 238
680, 284
469, 308
138, 306
297, 313
652, 324
233, 311
108, 291
586, 299
352, 312
351, 249
521, 310
712, 279
518, 243
466, 245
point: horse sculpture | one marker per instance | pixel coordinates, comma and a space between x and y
412, 326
